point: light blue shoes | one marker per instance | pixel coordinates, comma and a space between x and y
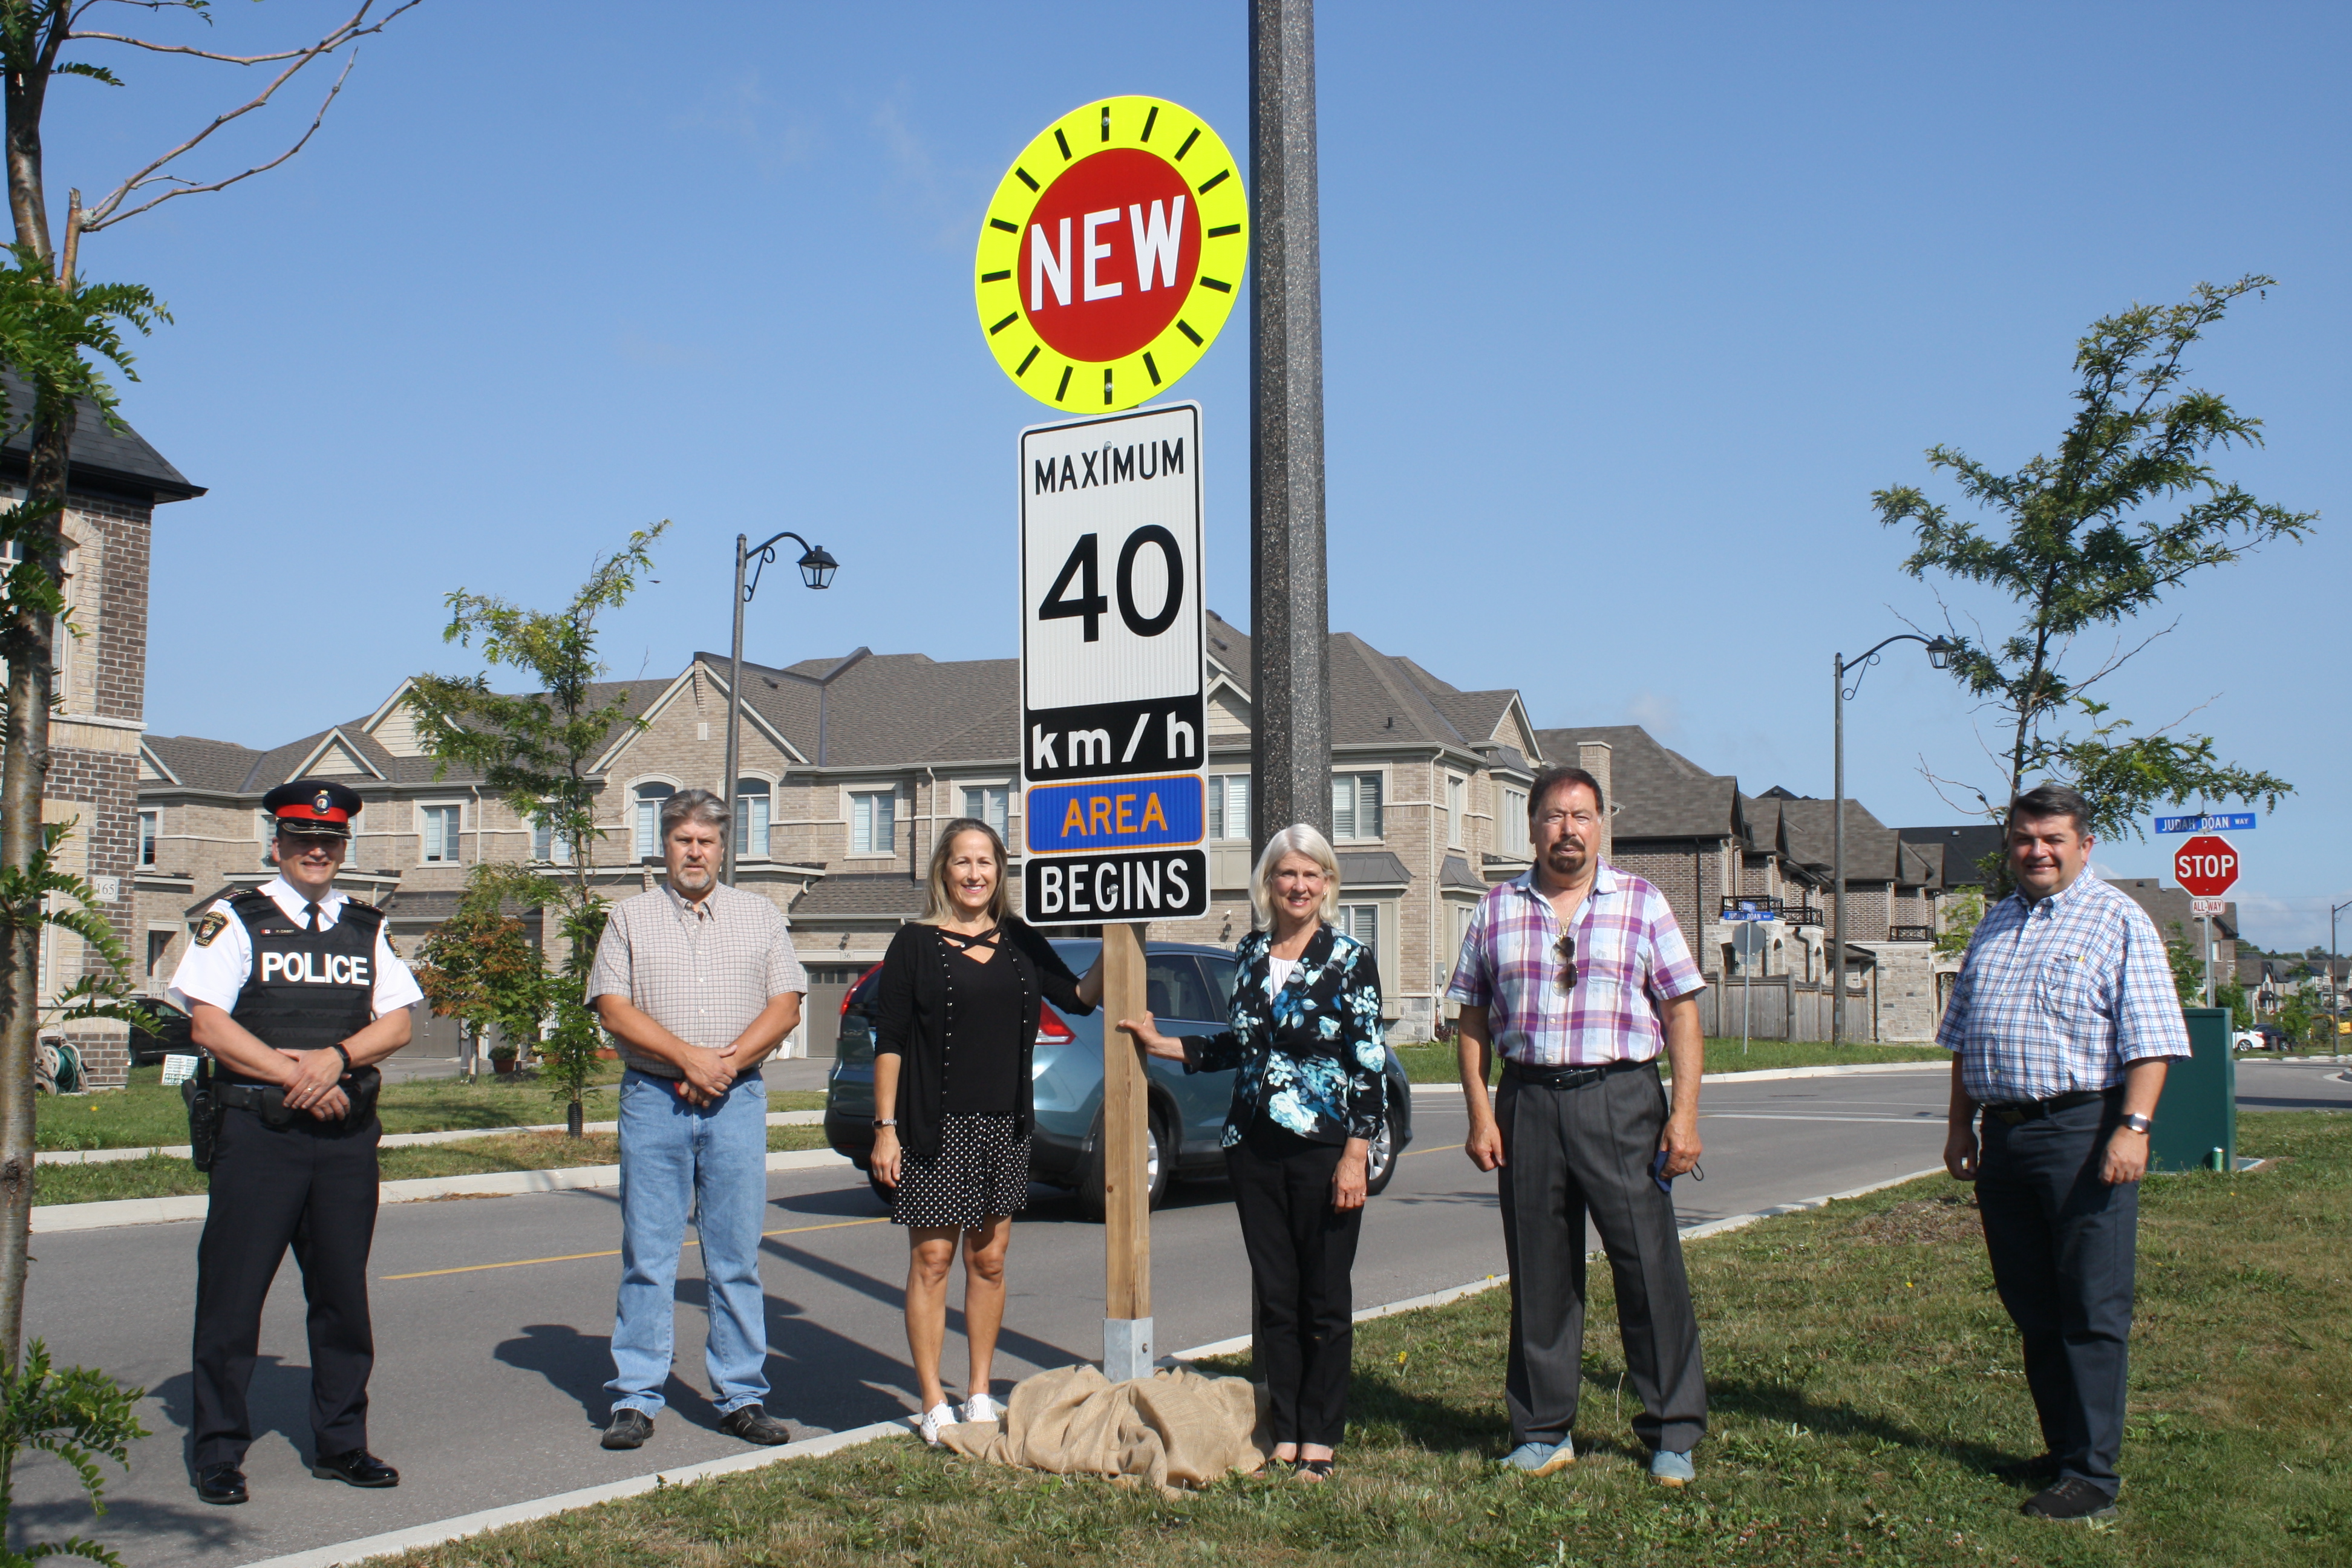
1542, 1458
1671, 1469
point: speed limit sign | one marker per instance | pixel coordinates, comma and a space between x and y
1113, 708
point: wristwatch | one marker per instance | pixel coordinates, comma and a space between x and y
339, 1050
882, 1121
2139, 1123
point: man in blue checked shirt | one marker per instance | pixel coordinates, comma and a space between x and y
2061, 1025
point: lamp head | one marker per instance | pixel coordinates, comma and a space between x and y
1940, 652
818, 566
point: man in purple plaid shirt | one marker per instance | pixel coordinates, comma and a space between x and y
1578, 975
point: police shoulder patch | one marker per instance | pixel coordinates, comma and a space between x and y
210, 926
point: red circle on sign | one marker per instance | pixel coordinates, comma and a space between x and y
2206, 865
1143, 224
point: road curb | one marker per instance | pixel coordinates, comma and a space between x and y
390, 1141
447, 1530
51, 1217
1762, 1074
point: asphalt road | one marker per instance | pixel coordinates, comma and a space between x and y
493, 1315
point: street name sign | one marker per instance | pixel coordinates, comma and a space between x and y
2227, 822
1111, 254
1114, 712
2206, 865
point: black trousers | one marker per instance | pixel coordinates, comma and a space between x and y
1302, 1252
313, 1187
1568, 1152
2064, 1249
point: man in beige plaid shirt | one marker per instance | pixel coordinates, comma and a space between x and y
699, 984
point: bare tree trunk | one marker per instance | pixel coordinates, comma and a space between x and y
22, 770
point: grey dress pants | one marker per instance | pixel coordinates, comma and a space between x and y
1569, 1153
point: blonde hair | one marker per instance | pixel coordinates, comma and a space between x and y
1298, 839
938, 904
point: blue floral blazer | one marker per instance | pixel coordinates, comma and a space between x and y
1311, 1056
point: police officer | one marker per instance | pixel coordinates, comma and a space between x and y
294, 995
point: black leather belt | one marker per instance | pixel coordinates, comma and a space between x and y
2015, 1111
1566, 1077
268, 1101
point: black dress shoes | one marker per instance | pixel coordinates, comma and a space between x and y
630, 1429
2072, 1498
223, 1483
754, 1425
358, 1468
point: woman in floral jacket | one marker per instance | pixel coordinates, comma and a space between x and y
1309, 1097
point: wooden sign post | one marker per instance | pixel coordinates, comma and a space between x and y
1126, 1165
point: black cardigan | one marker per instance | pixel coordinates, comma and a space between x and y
915, 1021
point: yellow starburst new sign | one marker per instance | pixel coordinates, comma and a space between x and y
1111, 254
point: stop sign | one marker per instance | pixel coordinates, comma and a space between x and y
2206, 865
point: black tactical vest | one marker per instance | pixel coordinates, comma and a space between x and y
308, 990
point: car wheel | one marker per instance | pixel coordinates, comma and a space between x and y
1157, 1151
1382, 1161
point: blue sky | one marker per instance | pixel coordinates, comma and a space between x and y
1627, 309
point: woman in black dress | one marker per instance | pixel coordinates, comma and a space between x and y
956, 1016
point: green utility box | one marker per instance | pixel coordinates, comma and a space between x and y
2199, 1113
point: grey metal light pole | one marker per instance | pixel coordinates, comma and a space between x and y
1290, 667
2335, 983
1939, 654
817, 567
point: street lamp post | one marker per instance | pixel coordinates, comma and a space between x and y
1939, 655
817, 567
2335, 982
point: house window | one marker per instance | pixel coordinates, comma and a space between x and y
1454, 791
1229, 805
990, 804
1361, 921
871, 829
150, 828
441, 826
649, 804
752, 818
159, 948
1356, 807
549, 846
1514, 827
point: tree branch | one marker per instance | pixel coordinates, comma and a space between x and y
111, 210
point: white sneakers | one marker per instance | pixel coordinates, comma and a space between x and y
981, 1407
938, 1415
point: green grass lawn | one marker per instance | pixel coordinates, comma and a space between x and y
1863, 1380
1436, 1062
162, 1176
147, 1114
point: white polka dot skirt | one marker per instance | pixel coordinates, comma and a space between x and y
982, 1169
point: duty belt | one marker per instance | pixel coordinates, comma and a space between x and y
1567, 1077
268, 1101
2015, 1111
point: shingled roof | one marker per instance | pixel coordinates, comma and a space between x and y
1660, 793
103, 457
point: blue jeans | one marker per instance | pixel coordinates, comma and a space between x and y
713, 1160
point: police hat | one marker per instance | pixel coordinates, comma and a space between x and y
319, 806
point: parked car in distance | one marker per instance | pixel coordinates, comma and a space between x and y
1187, 989
146, 1048
2261, 1038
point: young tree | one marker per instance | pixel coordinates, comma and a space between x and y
479, 966
536, 752
52, 322
2084, 546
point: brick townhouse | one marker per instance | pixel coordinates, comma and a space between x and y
849, 767
114, 485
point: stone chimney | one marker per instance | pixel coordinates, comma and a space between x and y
1592, 756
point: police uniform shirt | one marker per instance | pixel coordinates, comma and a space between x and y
218, 966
